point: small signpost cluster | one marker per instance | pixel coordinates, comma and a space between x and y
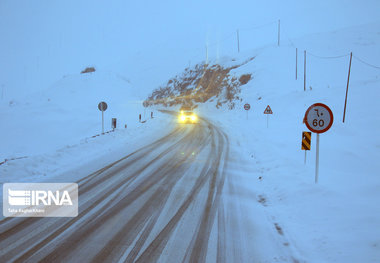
318, 119
102, 106
267, 111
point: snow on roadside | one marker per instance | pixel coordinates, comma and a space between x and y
336, 220
66, 112
73, 161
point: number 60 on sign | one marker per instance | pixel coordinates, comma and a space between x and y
319, 118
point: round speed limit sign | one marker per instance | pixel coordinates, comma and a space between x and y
319, 118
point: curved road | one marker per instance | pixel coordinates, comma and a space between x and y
165, 202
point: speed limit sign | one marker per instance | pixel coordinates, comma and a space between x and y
319, 118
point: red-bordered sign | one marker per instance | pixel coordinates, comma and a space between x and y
318, 118
247, 106
102, 106
268, 110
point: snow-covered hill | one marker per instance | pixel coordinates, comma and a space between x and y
336, 220
67, 112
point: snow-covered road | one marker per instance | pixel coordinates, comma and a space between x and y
169, 201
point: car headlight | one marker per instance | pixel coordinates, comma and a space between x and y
182, 118
193, 118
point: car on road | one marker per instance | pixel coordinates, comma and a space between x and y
187, 115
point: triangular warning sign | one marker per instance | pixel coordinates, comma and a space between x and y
268, 110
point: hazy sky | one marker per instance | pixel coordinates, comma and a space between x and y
42, 40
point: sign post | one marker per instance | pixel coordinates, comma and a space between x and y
318, 118
247, 107
268, 111
102, 106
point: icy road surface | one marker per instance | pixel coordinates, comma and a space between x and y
170, 201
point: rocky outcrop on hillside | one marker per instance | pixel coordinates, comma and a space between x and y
201, 84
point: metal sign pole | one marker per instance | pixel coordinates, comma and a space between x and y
267, 119
317, 160
247, 115
102, 121
305, 157
102, 106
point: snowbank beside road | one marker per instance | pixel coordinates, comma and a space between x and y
336, 220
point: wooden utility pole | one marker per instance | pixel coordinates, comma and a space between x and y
296, 61
304, 72
278, 41
238, 41
348, 81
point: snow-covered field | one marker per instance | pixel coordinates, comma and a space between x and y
336, 220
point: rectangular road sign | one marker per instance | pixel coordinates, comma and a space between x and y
306, 141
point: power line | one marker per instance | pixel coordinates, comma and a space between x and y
324, 57
260, 26
366, 63
230, 35
291, 42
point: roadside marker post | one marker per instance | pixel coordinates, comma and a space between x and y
113, 124
247, 107
319, 119
306, 142
268, 111
102, 106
